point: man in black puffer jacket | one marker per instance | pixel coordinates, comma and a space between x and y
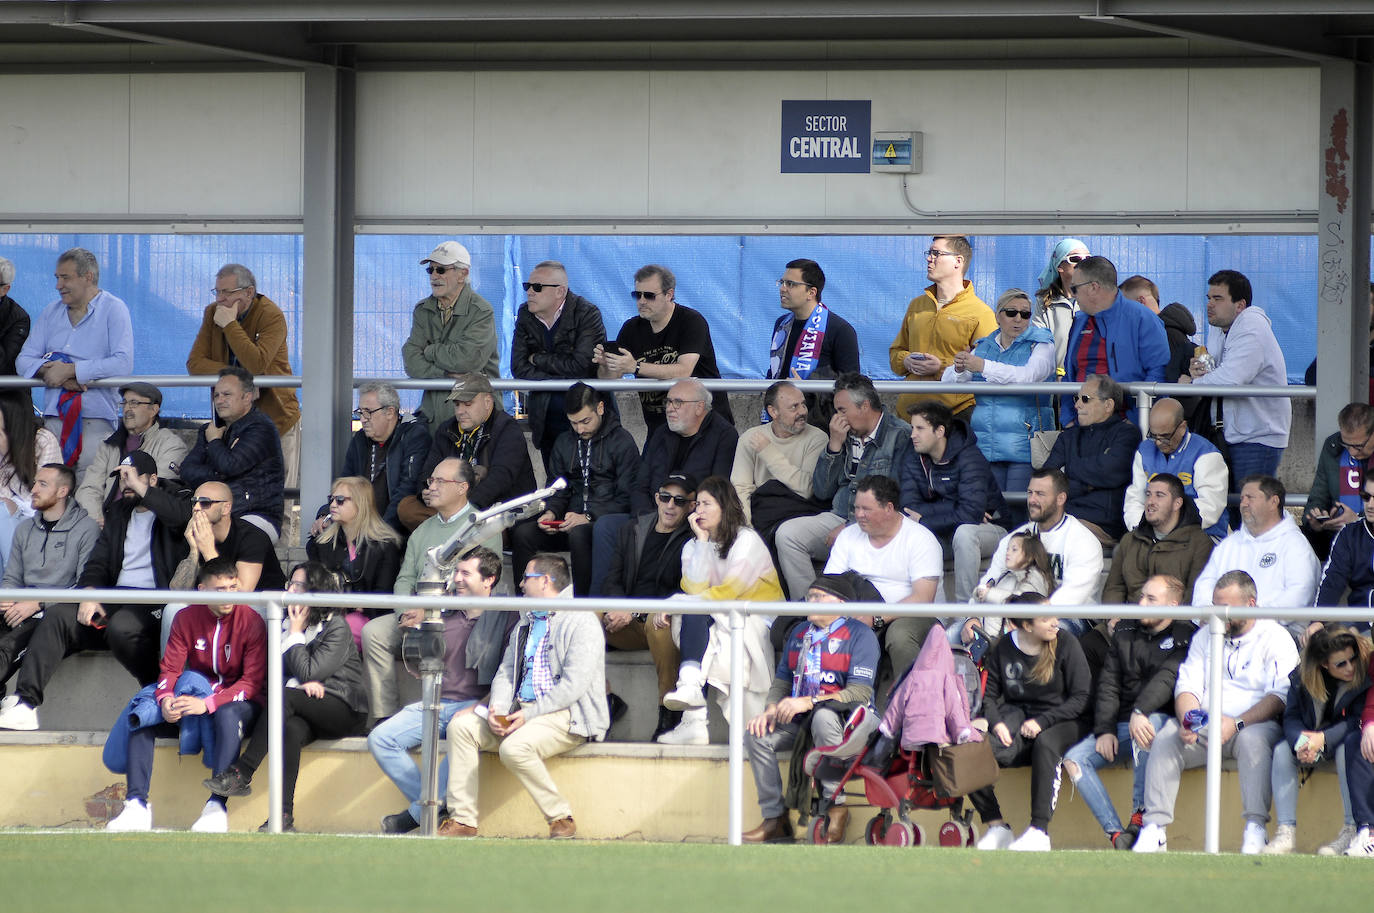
555, 333
485, 436
600, 462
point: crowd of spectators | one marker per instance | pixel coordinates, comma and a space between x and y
830, 498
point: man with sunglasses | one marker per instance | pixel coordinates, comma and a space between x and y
212, 531
446, 492
453, 331
556, 333
141, 431
647, 564
948, 318
1170, 447
665, 341
1111, 334
1350, 567
136, 549
1333, 498
242, 327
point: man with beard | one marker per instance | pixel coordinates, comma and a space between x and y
48, 552
782, 452
1257, 658
1168, 540
696, 440
136, 550
140, 430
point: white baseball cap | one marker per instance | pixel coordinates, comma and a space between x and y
450, 253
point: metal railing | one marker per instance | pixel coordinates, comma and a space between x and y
1214, 619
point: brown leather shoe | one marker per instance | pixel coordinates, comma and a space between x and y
839, 820
771, 830
451, 828
562, 829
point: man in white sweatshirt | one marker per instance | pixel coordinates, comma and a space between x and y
1257, 658
1075, 553
1269, 547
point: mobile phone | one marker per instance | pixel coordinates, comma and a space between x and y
978, 647
551, 524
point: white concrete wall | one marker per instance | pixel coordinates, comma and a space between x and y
213, 145
683, 144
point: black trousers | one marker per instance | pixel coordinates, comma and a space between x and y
1043, 753
131, 633
305, 719
13, 642
528, 539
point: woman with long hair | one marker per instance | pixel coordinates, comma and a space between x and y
1037, 689
1326, 694
25, 445
358, 545
323, 696
724, 560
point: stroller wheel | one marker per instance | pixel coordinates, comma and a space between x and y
820, 827
876, 830
953, 833
972, 834
918, 835
899, 833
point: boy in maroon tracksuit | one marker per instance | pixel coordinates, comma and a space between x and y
228, 645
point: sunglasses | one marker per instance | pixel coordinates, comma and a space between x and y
1343, 664
1365, 496
440, 269
680, 500
1013, 312
340, 500
1084, 398
538, 287
204, 503
1074, 258
647, 296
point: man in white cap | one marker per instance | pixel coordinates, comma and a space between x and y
453, 331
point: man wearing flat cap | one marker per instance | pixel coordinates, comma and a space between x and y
825, 671
482, 433
140, 431
453, 331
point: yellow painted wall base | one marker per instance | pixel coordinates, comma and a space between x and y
618, 791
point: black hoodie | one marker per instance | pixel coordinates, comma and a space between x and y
612, 465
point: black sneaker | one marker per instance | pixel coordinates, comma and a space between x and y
1122, 840
229, 784
399, 823
616, 705
667, 721
288, 824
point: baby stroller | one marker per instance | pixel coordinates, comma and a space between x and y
939, 691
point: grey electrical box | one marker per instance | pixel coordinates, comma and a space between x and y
898, 151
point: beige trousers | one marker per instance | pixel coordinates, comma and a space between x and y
523, 752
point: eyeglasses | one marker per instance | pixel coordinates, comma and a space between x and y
531, 575
339, 499
204, 503
435, 480
361, 413
129, 403
647, 296
792, 283
1074, 258
1351, 445
673, 403
538, 287
296, 586
934, 254
431, 269
1013, 312
1161, 438
226, 292
1366, 496
1073, 289
1085, 398
680, 500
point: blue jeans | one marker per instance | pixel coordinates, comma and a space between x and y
1012, 477
232, 721
1089, 762
392, 741
1284, 775
1251, 460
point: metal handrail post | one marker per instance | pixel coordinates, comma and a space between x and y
274, 717
737, 722
1216, 643
1143, 400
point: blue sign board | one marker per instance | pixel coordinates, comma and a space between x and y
826, 137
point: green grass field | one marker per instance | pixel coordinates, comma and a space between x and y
239, 872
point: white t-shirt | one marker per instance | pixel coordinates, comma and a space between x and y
913, 554
137, 572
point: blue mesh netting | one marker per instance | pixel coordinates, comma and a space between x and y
166, 278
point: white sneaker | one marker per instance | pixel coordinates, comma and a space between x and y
1340, 844
137, 816
998, 837
691, 731
689, 693
8, 701
1285, 840
1033, 840
1362, 844
213, 820
1252, 842
1151, 839
19, 716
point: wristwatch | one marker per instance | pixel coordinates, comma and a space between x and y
1240, 724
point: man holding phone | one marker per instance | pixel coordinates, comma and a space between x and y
1333, 498
946, 319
